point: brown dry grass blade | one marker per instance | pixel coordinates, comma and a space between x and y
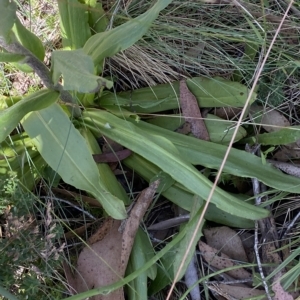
105, 261
191, 112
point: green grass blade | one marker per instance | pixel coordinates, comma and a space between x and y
152, 147
67, 153
10, 117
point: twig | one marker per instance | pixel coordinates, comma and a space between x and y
71, 204
43, 72
291, 225
191, 278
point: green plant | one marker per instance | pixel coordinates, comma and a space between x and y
61, 122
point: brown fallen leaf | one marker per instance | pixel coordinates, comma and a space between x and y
227, 241
105, 261
231, 292
280, 293
221, 261
191, 112
271, 120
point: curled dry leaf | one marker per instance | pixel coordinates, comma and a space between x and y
227, 241
104, 262
191, 112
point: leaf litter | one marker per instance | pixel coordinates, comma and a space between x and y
104, 260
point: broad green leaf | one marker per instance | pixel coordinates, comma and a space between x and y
29, 40
284, 136
107, 44
10, 117
67, 153
10, 57
209, 92
183, 245
176, 166
7, 18
77, 70
210, 155
107, 176
220, 131
74, 25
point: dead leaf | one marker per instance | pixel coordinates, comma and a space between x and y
271, 119
227, 241
227, 113
105, 261
280, 293
289, 168
235, 292
221, 261
191, 112
286, 153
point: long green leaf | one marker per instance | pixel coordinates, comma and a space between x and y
152, 148
10, 57
29, 40
220, 131
239, 163
10, 117
74, 24
182, 197
106, 174
183, 245
67, 153
7, 18
283, 136
107, 44
209, 92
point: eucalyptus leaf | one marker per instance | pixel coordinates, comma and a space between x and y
7, 18
109, 43
176, 166
209, 92
77, 70
67, 153
10, 117
74, 24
